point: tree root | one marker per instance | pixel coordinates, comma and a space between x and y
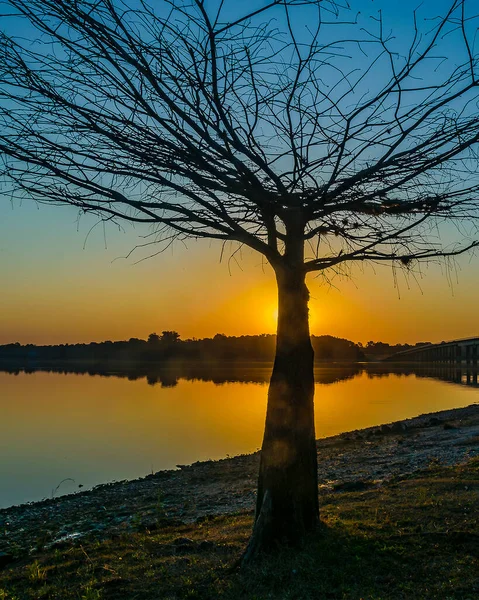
261, 532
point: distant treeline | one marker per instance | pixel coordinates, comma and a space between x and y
379, 350
169, 346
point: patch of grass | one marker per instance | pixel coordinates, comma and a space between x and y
4, 595
36, 573
415, 538
90, 593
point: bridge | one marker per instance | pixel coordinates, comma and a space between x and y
456, 351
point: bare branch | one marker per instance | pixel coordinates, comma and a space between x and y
264, 126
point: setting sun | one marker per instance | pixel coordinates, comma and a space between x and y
274, 315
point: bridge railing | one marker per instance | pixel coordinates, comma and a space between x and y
452, 351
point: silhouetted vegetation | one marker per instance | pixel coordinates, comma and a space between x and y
380, 350
169, 347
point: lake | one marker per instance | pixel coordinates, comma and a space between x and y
59, 431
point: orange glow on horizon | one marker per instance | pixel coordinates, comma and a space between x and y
54, 292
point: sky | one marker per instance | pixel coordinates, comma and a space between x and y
62, 284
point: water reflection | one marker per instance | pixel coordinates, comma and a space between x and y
168, 376
61, 424
449, 373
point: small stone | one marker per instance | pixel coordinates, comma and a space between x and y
183, 549
183, 541
206, 545
352, 486
398, 427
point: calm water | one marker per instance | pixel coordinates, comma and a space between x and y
95, 429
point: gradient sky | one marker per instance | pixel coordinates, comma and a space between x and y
59, 284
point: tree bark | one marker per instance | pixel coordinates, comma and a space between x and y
287, 502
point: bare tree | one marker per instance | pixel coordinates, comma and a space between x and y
292, 129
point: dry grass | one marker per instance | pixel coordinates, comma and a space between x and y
415, 538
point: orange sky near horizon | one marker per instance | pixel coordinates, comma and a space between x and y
55, 290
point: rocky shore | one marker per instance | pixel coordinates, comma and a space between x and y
355, 460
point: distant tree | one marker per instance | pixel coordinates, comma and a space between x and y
285, 126
170, 337
153, 338
327, 347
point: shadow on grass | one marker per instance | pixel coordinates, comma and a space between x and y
332, 565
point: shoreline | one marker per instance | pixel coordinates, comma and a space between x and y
351, 461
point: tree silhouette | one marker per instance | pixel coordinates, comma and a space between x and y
287, 126
170, 337
153, 338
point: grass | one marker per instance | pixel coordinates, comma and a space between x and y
415, 538
36, 573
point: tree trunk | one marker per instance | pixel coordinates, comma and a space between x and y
287, 502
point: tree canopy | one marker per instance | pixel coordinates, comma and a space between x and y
235, 123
